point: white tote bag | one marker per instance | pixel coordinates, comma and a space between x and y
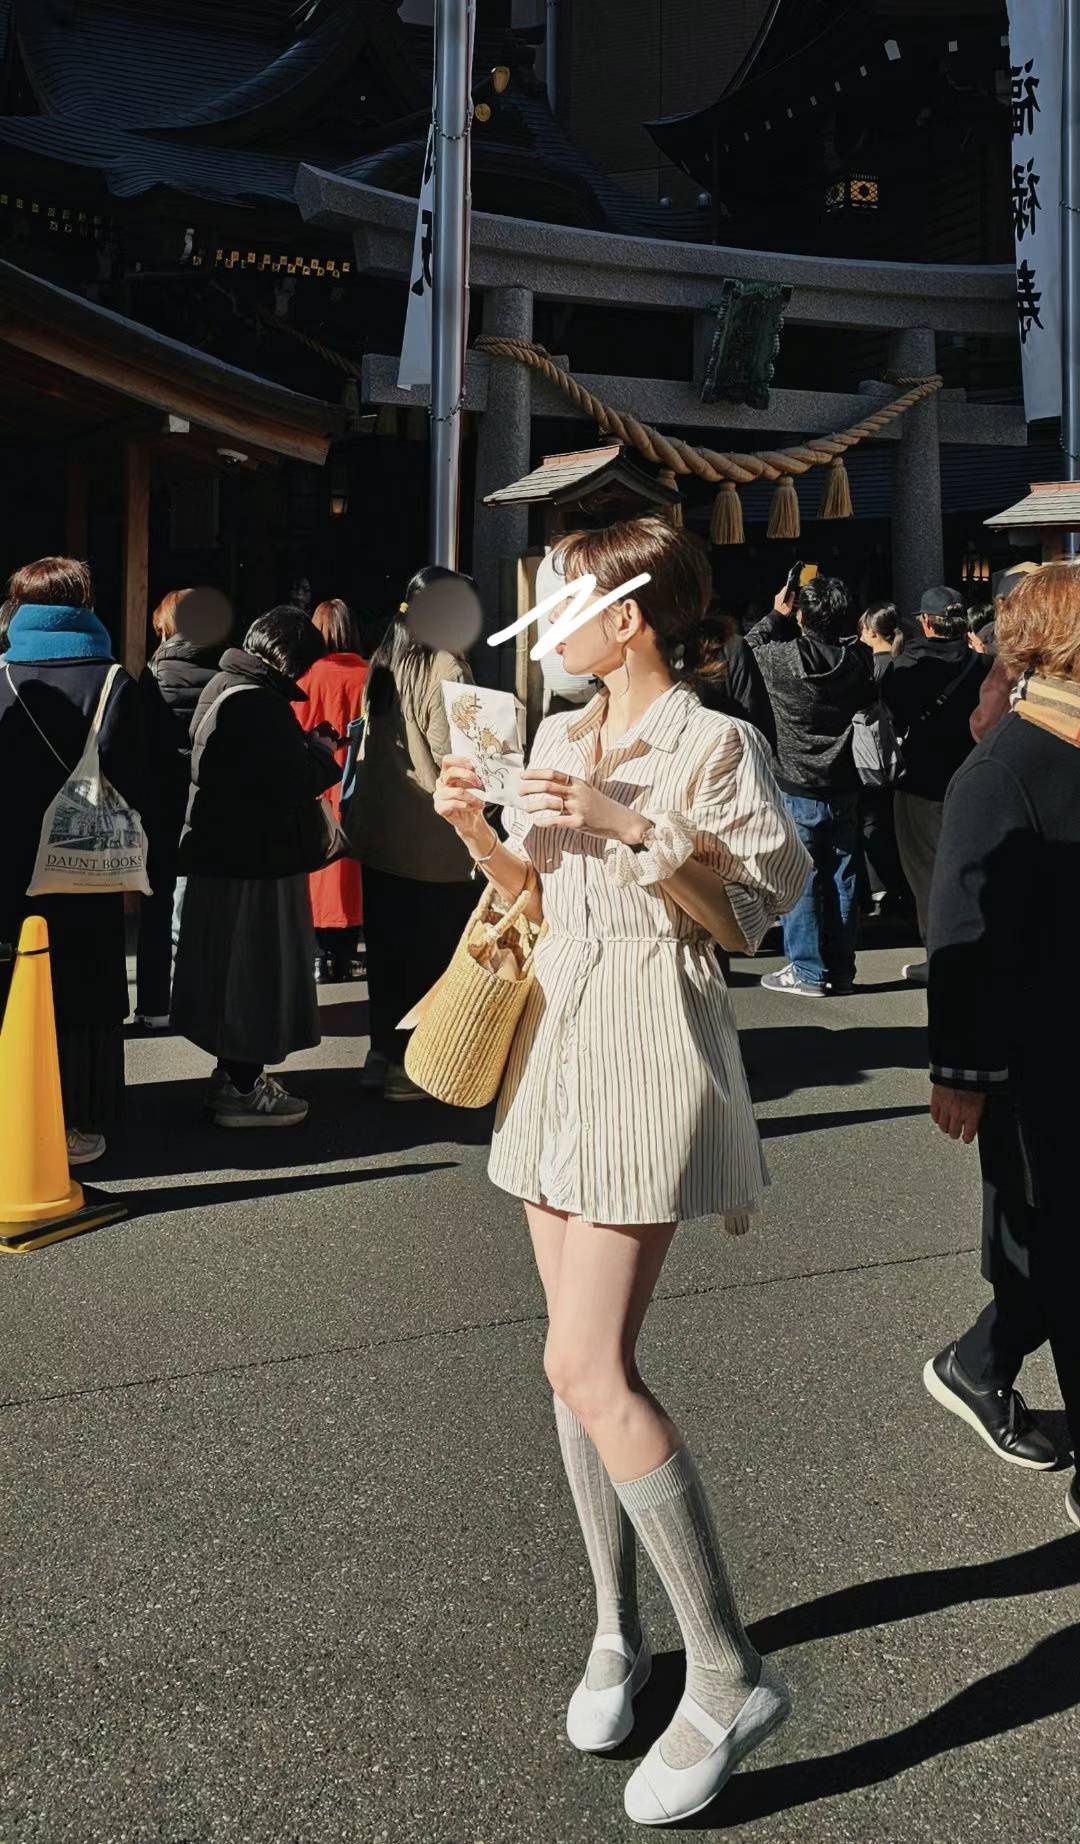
91, 840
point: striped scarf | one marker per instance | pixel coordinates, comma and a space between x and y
1053, 704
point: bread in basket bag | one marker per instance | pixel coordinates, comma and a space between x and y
466, 1023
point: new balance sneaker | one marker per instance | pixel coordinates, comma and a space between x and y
787, 980
83, 1148
1000, 1417
268, 1105
152, 1021
916, 973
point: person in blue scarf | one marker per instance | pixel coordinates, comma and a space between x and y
52, 669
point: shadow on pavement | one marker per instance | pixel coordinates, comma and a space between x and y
167, 1131
904, 1597
812, 1056
779, 1128
1044, 1683
173, 1199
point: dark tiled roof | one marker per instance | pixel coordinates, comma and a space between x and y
134, 163
175, 103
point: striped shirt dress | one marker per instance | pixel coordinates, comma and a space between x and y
625, 1097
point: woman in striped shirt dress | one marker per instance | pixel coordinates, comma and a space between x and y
625, 1110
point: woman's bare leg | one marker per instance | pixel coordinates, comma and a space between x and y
606, 1280
607, 1276
610, 1541
548, 1231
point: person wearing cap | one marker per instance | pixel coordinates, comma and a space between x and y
930, 691
997, 687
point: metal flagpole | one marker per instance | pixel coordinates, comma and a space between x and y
454, 21
1070, 254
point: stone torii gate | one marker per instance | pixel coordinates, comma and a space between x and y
515, 261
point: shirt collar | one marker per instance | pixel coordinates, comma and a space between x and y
660, 727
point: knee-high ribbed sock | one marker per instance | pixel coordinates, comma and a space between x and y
670, 1513
609, 1542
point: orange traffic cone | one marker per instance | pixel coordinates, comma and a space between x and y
40, 1202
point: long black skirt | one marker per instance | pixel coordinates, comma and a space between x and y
244, 985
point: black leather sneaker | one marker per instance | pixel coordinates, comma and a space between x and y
1072, 1501
1000, 1416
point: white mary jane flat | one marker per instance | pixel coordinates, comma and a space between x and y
657, 1794
597, 1720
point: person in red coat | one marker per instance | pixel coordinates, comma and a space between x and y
335, 687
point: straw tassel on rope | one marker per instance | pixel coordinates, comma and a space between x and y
674, 512
726, 525
784, 521
836, 498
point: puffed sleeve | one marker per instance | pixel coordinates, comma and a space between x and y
735, 821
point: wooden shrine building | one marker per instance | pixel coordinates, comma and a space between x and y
234, 186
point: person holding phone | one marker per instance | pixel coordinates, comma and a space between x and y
817, 683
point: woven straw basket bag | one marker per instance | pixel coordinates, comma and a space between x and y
460, 1048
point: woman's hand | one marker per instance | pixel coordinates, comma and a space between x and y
558, 799
456, 802
957, 1111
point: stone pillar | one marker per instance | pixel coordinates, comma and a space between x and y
504, 453
917, 540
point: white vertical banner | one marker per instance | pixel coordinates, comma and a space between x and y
415, 366
1036, 38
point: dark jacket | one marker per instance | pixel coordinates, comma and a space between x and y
170, 688
743, 693
86, 933
935, 737
815, 687
1004, 1011
255, 778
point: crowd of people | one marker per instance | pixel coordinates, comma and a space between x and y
704, 787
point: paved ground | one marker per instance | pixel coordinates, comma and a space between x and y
288, 1556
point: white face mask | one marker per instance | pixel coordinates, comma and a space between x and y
558, 681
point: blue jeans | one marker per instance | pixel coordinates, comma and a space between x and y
819, 933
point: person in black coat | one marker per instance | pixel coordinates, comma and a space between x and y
1005, 1022
244, 988
874, 743
817, 682
57, 657
930, 690
171, 685
729, 678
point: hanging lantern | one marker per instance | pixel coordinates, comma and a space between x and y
854, 192
339, 491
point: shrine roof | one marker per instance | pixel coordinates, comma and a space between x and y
1049, 504
572, 476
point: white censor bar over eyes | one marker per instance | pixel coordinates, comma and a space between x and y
579, 592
